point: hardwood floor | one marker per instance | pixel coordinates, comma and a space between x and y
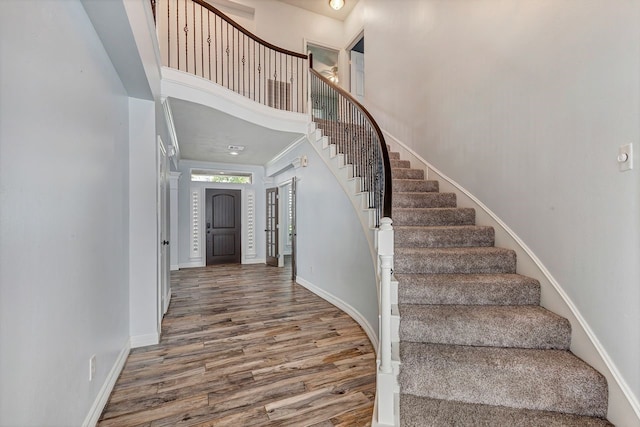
245, 346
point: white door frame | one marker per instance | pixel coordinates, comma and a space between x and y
283, 220
164, 285
348, 50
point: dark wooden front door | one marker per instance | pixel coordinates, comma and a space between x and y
223, 226
272, 226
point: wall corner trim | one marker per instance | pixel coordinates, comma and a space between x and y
342, 305
105, 391
144, 340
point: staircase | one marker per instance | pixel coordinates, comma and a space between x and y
476, 348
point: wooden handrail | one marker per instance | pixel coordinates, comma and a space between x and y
197, 38
386, 162
247, 32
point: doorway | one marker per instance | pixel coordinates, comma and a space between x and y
356, 60
272, 227
223, 225
285, 225
325, 61
164, 283
281, 226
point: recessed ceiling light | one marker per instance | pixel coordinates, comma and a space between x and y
336, 4
237, 148
233, 153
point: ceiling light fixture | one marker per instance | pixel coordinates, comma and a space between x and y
235, 150
336, 4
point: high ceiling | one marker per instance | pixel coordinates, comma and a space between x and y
322, 7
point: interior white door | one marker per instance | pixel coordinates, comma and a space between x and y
294, 229
272, 227
162, 200
357, 74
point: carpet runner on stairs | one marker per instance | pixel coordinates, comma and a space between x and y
476, 348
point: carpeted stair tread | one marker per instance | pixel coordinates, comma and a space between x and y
414, 185
416, 411
424, 200
443, 236
455, 260
548, 380
470, 289
407, 173
476, 348
434, 216
484, 325
394, 155
400, 163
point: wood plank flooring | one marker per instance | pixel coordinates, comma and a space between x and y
245, 346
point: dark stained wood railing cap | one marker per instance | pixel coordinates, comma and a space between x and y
247, 32
386, 207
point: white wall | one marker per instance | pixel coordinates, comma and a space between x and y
525, 105
332, 250
143, 239
184, 209
353, 27
63, 213
288, 26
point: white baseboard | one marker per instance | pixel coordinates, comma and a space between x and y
144, 340
191, 264
194, 264
174, 267
167, 301
342, 305
105, 391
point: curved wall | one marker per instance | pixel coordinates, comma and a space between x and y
334, 259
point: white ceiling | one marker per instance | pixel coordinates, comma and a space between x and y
322, 7
205, 133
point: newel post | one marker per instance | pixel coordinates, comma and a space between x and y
385, 252
386, 379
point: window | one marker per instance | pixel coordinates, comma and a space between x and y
221, 177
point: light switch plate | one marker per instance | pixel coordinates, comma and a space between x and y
625, 157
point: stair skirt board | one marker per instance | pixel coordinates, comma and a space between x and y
430, 269
473, 347
315, 138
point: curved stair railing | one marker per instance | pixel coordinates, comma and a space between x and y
197, 38
357, 136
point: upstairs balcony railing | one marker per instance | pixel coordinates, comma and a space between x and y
197, 38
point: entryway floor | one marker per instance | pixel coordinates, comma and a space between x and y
245, 346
